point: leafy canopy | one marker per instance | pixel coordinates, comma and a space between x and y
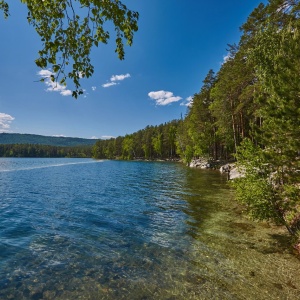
70, 28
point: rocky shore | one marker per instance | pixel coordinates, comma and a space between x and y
225, 167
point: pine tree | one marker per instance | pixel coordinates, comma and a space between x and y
274, 164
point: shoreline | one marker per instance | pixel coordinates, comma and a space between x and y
224, 166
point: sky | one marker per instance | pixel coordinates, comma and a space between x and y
177, 43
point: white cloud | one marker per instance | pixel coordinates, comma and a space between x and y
53, 86
188, 102
119, 77
163, 97
226, 58
66, 92
5, 121
106, 85
59, 135
115, 78
45, 73
94, 88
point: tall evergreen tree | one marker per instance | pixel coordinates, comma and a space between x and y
200, 122
274, 164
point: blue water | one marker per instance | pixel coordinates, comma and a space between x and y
88, 229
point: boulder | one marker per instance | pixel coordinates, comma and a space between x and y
232, 171
200, 163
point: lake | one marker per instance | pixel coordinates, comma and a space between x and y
88, 229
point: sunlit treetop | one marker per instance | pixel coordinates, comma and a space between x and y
70, 28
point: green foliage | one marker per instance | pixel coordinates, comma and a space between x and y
200, 122
277, 61
171, 132
233, 97
271, 186
256, 194
151, 142
146, 150
127, 147
5, 8
254, 189
35, 150
70, 28
188, 154
157, 144
184, 141
251, 108
267, 187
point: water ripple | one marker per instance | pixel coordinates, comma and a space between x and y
76, 228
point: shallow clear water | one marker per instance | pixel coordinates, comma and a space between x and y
86, 229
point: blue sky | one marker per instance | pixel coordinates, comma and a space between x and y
177, 43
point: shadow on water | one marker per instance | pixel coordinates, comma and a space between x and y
205, 188
244, 259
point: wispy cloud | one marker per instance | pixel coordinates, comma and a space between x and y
163, 97
53, 86
106, 85
94, 88
114, 80
119, 77
5, 121
187, 102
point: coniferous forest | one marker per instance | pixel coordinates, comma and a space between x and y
35, 150
249, 110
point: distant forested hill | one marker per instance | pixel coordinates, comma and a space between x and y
17, 138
